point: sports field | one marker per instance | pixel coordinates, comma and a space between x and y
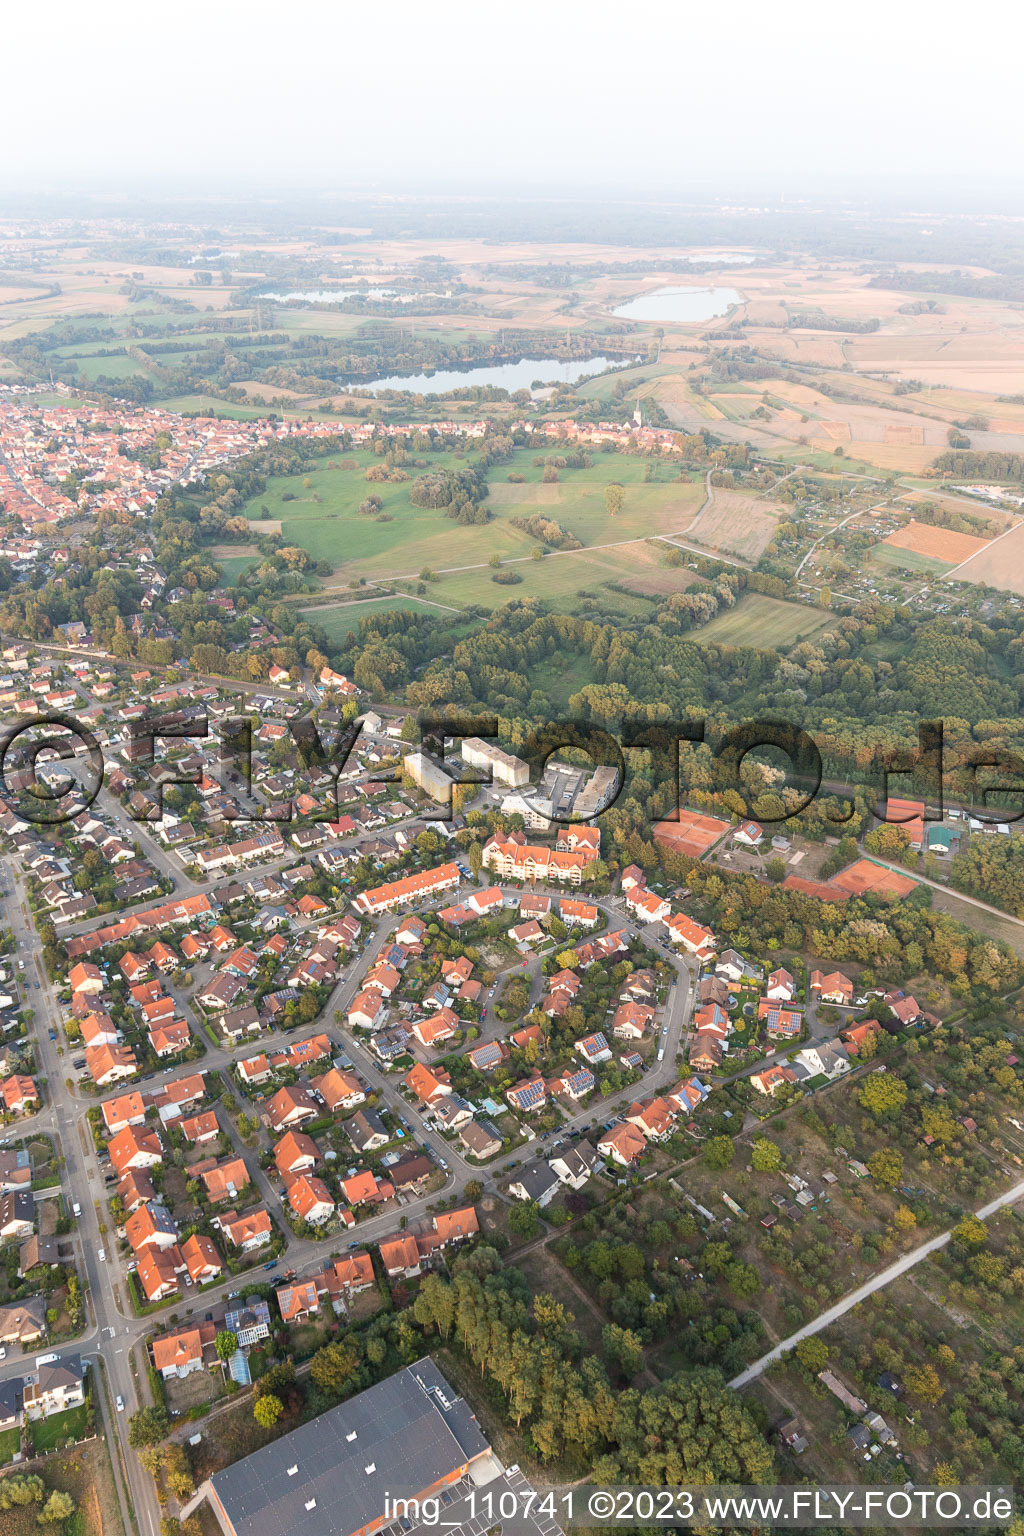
763, 622
692, 833
865, 877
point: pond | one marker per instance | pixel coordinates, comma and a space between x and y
678, 305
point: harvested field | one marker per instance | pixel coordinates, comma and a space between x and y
999, 564
936, 543
741, 524
904, 432
867, 878
693, 834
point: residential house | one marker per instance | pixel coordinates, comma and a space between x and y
296, 1153
290, 1106
573, 1166
623, 1144
834, 987
58, 1387
366, 1130
535, 1181
250, 1230
310, 1199
339, 1090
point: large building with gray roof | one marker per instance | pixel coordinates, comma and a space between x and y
407, 1437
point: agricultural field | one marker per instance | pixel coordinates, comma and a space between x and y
766, 622
737, 522
895, 558
1000, 564
939, 544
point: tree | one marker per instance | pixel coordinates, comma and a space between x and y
473, 1191
765, 1155
719, 1151
623, 1346
970, 1233
226, 1343
266, 1410
523, 1218
883, 1094
334, 1366
148, 1426
812, 1354
614, 497
923, 1384
59, 1506
903, 1219
177, 1472
886, 1166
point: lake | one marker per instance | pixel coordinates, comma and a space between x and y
519, 374
679, 305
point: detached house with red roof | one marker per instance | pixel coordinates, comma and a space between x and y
623, 1144
201, 1258
529, 1095
834, 987
296, 1153
251, 1230
290, 1106
310, 1199
339, 1090
654, 1118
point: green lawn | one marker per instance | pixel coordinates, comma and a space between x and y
47, 1433
765, 622
337, 619
10, 1442
234, 566
211, 406
122, 367
323, 517
908, 560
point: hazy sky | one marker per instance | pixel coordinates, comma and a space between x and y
405, 94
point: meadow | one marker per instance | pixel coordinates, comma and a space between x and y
321, 515
766, 623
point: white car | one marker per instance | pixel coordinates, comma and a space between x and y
102, 1255
119, 1404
